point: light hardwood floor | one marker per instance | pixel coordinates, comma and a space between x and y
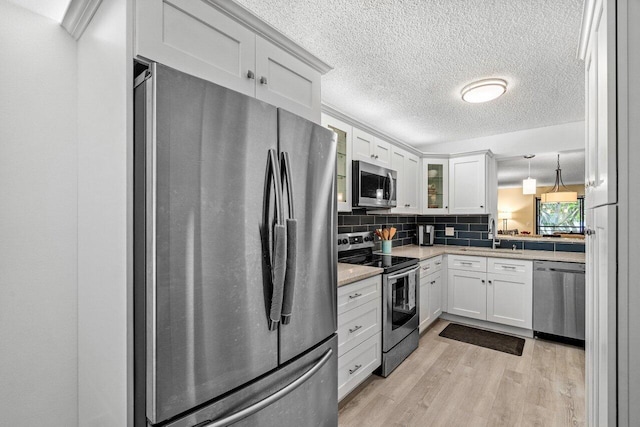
450, 383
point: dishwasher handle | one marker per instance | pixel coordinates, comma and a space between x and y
563, 270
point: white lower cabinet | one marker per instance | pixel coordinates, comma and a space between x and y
501, 293
467, 293
431, 283
359, 332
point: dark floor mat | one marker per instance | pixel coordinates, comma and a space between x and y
482, 338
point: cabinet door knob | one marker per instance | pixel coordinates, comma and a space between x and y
263, 80
376, 156
589, 232
489, 281
483, 281
250, 75
482, 206
446, 207
373, 156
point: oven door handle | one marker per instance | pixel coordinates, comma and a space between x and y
405, 274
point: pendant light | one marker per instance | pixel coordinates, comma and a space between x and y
557, 196
529, 184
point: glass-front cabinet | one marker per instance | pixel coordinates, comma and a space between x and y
435, 175
343, 160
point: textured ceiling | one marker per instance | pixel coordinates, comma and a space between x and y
400, 64
52, 9
512, 171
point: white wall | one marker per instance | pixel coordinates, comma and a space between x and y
104, 157
38, 221
564, 137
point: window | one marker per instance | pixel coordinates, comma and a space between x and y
565, 217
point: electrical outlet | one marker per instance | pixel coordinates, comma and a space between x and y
449, 231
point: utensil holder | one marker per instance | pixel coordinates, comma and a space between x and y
386, 246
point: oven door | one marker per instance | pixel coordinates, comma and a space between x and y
400, 305
373, 186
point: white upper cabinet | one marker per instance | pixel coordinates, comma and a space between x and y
406, 165
197, 39
371, 149
200, 39
363, 146
343, 161
468, 185
382, 153
600, 75
285, 81
435, 180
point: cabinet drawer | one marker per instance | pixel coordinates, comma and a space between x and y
517, 267
356, 365
430, 265
355, 326
355, 294
467, 263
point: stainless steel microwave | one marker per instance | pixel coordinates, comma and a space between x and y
373, 186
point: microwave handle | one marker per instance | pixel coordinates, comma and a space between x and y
391, 187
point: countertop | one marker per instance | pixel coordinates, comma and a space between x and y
425, 252
523, 238
349, 273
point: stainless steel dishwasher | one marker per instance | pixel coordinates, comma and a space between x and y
558, 299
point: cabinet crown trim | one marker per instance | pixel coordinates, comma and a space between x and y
78, 15
587, 19
337, 114
248, 19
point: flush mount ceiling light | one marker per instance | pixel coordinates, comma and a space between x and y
483, 90
555, 195
529, 184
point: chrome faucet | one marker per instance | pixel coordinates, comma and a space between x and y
492, 233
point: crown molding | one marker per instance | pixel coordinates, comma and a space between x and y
353, 122
587, 20
78, 15
248, 19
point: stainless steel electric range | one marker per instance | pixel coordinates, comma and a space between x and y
400, 296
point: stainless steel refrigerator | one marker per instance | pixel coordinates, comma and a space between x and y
234, 259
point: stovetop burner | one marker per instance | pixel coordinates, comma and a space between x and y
357, 248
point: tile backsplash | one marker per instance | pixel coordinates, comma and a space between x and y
469, 230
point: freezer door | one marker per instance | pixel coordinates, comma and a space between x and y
302, 393
308, 163
209, 283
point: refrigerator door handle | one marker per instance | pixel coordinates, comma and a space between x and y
250, 410
278, 250
285, 168
292, 242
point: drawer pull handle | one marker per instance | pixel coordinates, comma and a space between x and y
355, 295
355, 329
426, 268
351, 371
510, 267
465, 263
438, 263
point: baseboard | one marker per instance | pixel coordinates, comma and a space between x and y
483, 324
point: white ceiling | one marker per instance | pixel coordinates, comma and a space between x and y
400, 64
52, 9
512, 171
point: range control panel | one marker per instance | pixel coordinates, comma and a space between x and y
348, 241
